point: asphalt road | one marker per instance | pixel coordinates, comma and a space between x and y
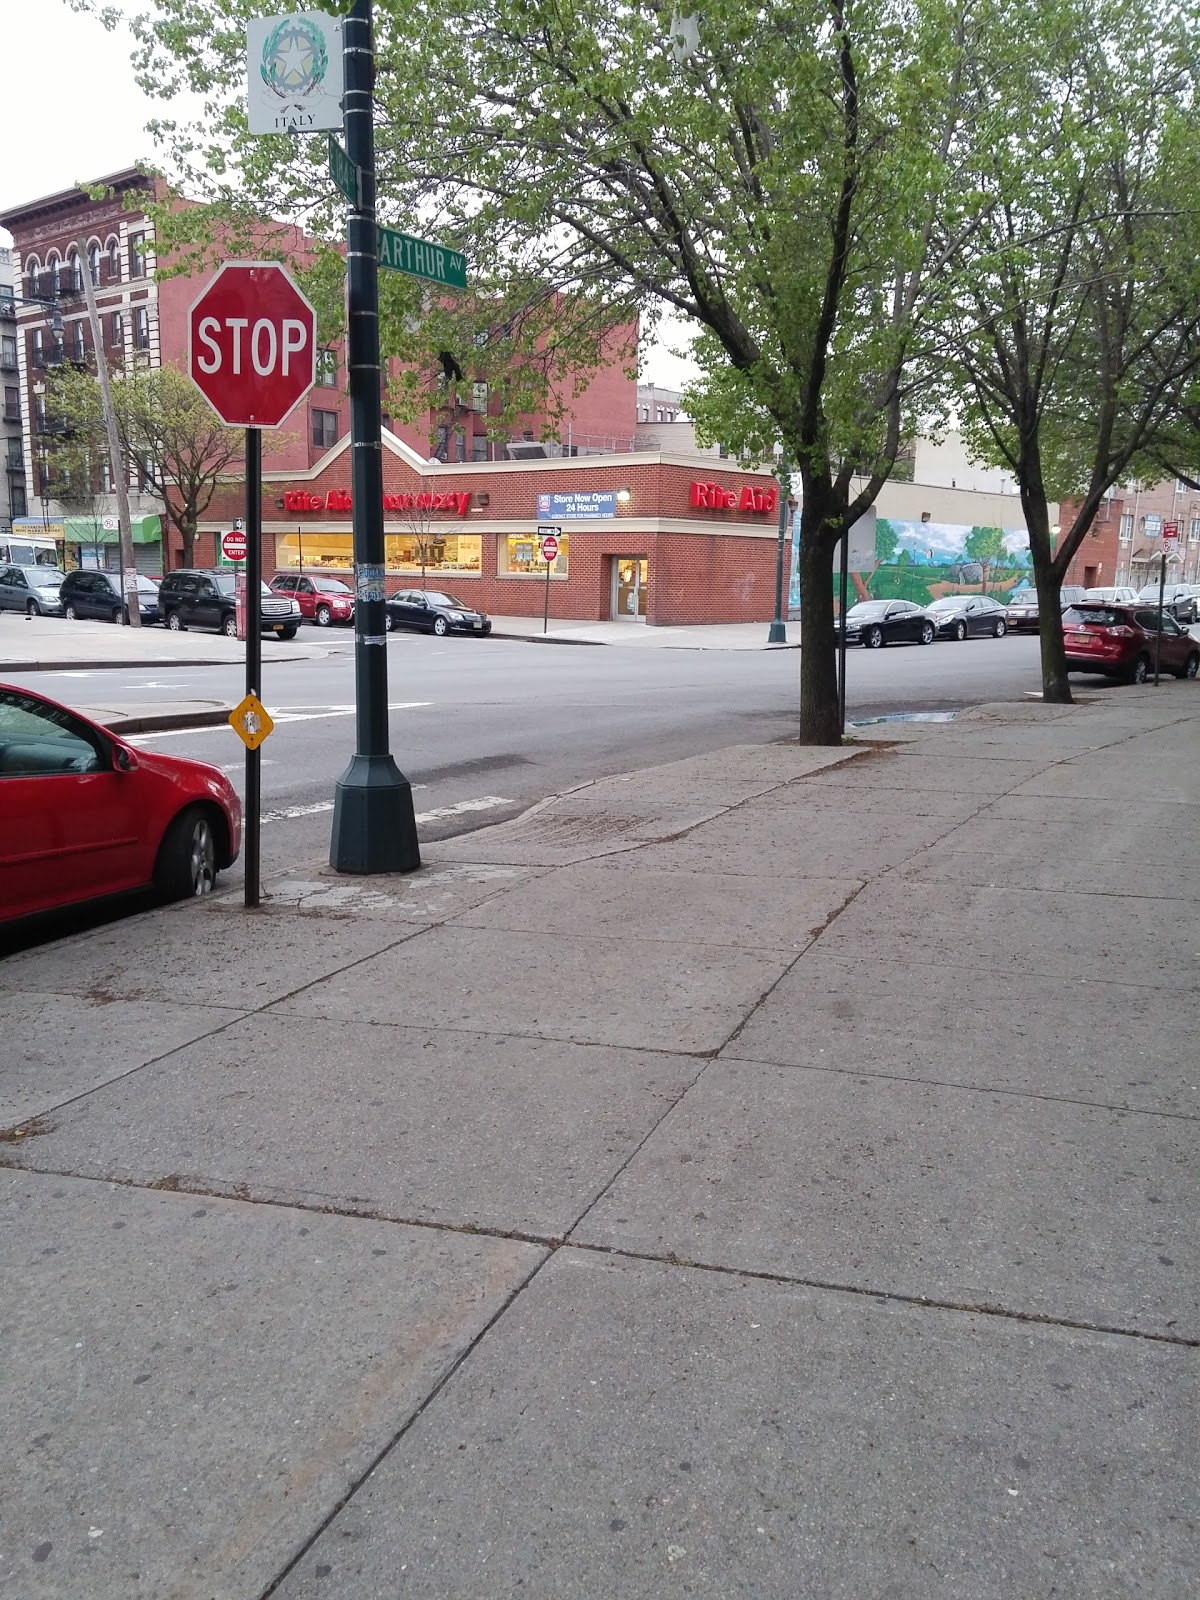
482, 728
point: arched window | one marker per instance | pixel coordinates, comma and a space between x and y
112, 249
33, 270
94, 261
54, 273
72, 278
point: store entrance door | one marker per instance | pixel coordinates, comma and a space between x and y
631, 581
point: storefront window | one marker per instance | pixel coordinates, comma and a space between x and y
444, 552
520, 555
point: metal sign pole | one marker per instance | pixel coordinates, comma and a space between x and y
374, 825
1162, 584
546, 605
845, 584
253, 654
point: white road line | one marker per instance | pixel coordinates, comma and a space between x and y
485, 802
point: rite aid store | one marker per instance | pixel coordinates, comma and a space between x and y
650, 538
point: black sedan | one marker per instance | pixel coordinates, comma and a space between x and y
973, 616
434, 611
874, 623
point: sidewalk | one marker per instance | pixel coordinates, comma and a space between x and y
772, 1173
712, 636
48, 644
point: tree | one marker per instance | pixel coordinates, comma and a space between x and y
886, 541
986, 546
770, 173
426, 529
167, 428
1074, 337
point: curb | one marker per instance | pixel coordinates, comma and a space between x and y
101, 666
166, 724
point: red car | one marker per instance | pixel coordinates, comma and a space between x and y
1118, 641
322, 600
83, 815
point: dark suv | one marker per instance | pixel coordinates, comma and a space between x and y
192, 599
98, 594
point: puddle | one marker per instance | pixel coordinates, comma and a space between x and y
905, 716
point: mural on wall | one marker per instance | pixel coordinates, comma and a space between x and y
921, 561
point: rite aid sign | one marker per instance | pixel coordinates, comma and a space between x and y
252, 344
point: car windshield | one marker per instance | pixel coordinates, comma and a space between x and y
146, 585
226, 582
866, 609
1150, 593
1093, 616
331, 586
1026, 597
43, 577
948, 602
436, 599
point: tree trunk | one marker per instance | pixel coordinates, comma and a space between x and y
188, 534
819, 719
1056, 686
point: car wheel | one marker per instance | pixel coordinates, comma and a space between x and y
1000, 629
1191, 666
1141, 669
174, 622
187, 857
324, 616
33, 609
960, 631
441, 627
927, 633
288, 633
70, 613
229, 625
873, 638
118, 616
388, 623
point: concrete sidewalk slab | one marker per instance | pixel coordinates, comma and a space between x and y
635, 993
1092, 1039
638, 1430
71, 1044
640, 636
201, 957
433, 893
572, 829
724, 778
962, 1196
1004, 931
463, 1129
670, 906
50, 644
133, 717
188, 1383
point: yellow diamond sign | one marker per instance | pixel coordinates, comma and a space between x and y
250, 722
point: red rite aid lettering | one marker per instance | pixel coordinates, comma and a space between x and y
340, 500
716, 498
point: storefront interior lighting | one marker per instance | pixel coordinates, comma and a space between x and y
624, 495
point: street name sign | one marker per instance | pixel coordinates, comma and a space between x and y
252, 344
344, 173
400, 252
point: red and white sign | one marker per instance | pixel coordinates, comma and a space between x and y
549, 548
252, 344
717, 498
1170, 531
233, 546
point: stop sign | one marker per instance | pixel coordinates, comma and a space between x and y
252, 344
233, 546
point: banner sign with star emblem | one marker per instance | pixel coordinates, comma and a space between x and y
294, 73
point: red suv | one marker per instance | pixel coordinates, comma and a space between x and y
1118, 641
322, 600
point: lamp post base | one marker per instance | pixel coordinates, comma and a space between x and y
374, 826
777, 634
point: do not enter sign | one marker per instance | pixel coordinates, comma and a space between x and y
233, 546
550, 548
252, 344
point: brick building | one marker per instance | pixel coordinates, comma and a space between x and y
644, 536
1125, 542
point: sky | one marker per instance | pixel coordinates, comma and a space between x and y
93, 122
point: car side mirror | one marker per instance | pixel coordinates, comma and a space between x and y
124, 759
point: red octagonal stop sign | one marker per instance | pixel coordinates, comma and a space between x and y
252, 344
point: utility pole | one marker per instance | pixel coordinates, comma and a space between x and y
132, 612
374, 825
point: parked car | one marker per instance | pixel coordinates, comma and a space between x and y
1023, 606
434, 611
1118, 641
87, 816
1120, 595
321, 600
1178, 598
959, 616
191, 598
98, 594
33, 590
874, 623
